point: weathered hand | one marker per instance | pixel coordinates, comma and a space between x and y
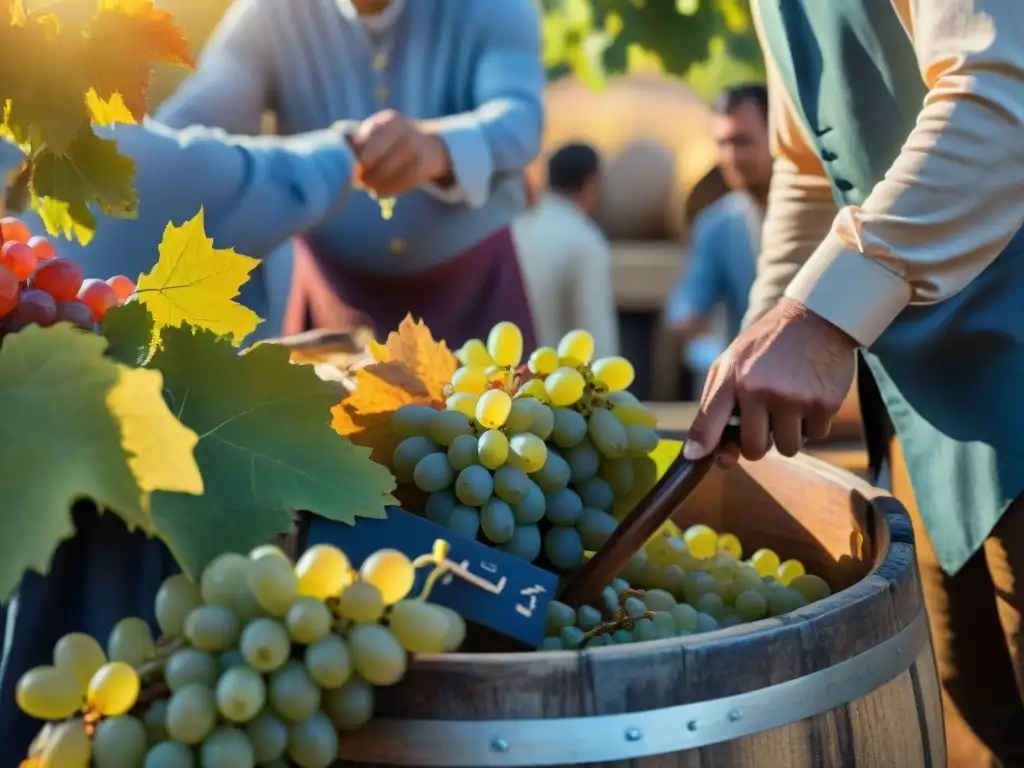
788, 373
396, 155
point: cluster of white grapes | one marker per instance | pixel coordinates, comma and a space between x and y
536, 459
682, 586
260, 664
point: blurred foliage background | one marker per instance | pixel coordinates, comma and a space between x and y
708, 43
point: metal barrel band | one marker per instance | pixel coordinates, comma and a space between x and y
607, 738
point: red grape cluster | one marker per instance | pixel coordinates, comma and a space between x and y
37, 286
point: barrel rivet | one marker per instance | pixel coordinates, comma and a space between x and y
899, 651
735, 715
692, 725
633, 734
499, 745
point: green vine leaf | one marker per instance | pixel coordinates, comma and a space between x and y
129, 331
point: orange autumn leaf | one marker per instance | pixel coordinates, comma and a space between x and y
412, 344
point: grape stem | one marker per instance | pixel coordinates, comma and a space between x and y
621, 620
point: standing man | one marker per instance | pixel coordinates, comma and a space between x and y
566, 259
443, 103
923, 271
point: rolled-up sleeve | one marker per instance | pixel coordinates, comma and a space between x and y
502, 134
955, 194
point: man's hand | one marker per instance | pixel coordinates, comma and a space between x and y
396, 155
788, 373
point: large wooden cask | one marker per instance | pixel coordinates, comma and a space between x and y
849, 681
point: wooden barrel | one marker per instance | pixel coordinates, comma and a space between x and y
848, 681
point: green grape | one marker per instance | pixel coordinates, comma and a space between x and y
563, 547
588, 617
212, 628
497, 520
376, 655
361, 601
273, 584
390, 571
190, 666
706, 623
520, 417
474, 354
420, 627
634, 607
564, 386
505, 344
751, 605
527, 452
439, 505
294, 695
268, 735
511, 484
789, 570
469, 380
584, 460
114, 689
268, 549
632, 413
493, 408
595, 493
664, 624
464, 521
710, 603
323, 571
640, 441
595, 528
532, 508
524, 544
542, 420
49, 693
224, 578
607, 433
463, 402
227, 748
784, 600
155, 721
408, 453
170, 754
328, 662
175, 600
554, 475
643, 630
560, 616
613, 373
636, 568
240, 694
578, 344
551, 644
456, 632
413, 420
659, 600
191, 714
543, 360
80, 655
119, 742
61, 745
448, 425
474, 485
351, 706
492, 448
619, 474
313, 743
570, 427
462, 452
622, 637
433, 473
131, 641
308, 620
571, 637
813, 588
564, 507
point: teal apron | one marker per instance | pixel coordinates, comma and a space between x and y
950, 375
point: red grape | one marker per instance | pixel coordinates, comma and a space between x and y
35, 307
10, 291
14, 229
76, 313
98, 296
18, 258
42, 248
59, 277
123, 286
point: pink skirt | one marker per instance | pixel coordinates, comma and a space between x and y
458, 300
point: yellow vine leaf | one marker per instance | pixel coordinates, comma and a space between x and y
412, 344
195, 283
108, 111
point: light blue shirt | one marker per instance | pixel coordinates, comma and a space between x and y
723, 263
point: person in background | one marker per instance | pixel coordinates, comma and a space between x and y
566, 259
726, 235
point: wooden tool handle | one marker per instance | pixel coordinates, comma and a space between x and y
640, 524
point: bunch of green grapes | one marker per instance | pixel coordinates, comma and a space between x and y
682, 586
261, 663
537, 460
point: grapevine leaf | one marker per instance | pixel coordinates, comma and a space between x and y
195, 283
429, 361
64, 424
108, 111
266, 448
129, 330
